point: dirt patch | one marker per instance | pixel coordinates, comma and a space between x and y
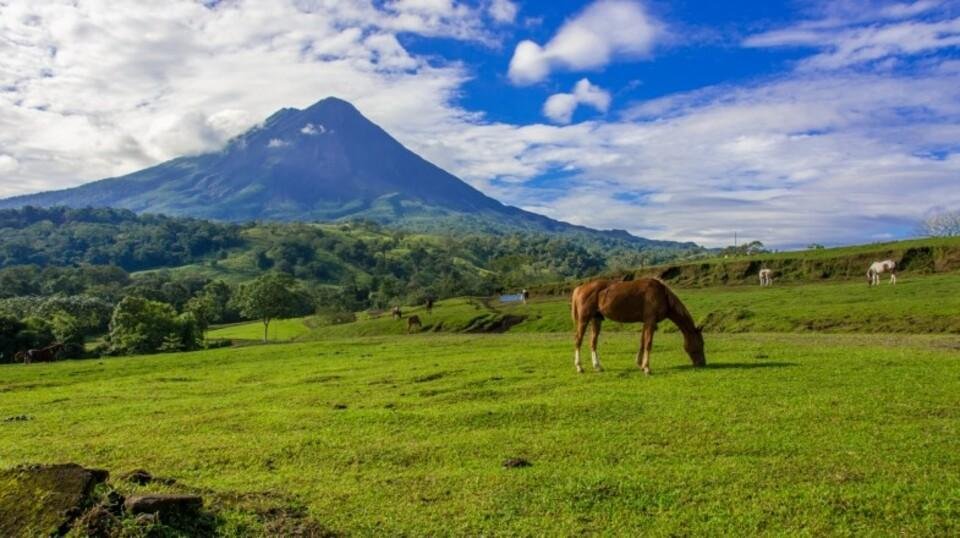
429, 377
493, 323
516, 463
44, 500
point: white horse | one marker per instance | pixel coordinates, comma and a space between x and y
766, 277
875, 270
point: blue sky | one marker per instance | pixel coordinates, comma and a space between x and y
786, 122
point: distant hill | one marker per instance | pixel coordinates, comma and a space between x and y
326, 162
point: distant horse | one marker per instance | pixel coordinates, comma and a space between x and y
524, 295
414, 321
645, 300
877, 268
429, 304
45, 354
766, 277
397, 314
20, 356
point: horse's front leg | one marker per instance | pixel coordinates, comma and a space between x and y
646, 344
595, 335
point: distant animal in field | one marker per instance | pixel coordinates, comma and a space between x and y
766, 277
524, 295
414, 321
878, 268
397, 314
429, 305
20, 356
646, 300
45, 354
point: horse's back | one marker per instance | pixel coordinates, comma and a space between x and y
634, 301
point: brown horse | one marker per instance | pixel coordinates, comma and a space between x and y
45, 354
397, 314
645, 300
414, 321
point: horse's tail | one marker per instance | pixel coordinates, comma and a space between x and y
574, 313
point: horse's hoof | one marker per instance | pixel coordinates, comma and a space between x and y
646, 371
579, 370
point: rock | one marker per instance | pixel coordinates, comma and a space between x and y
163, 503
513, 463
41, 500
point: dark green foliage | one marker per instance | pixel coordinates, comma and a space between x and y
143, 326
16, 336
63, 236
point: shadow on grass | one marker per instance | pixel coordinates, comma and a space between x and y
734, 366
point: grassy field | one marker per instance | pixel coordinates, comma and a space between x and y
917, 304
406, 435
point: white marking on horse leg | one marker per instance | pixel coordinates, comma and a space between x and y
596, 360
893, 278
576, 361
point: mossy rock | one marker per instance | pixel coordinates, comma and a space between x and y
43, 500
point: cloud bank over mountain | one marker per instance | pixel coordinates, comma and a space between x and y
854, 138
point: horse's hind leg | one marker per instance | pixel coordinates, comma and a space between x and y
581, 328
595, 335
646, 344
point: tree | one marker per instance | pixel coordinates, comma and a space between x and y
269, 297
143, 326
942, 224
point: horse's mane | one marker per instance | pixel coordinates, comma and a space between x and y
677, 306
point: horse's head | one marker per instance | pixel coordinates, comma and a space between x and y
693, 345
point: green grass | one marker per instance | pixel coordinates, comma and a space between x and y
780, 435
280, 329
917, 304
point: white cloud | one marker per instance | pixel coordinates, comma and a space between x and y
846, 43
606, 29
560, 107
8, 164
277, 143
313, 130
502, 11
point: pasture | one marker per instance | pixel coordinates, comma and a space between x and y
798, 434
917, 304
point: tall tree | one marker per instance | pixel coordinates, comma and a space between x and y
267, 298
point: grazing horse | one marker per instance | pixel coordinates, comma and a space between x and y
397, 314
766, 277
414, 321
877, 268
645, 300
45, 354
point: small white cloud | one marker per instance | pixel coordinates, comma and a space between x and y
8, 164
561, 106
502, 11
277, 143
313, 130
604, 30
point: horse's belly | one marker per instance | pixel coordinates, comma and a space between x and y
622, 310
